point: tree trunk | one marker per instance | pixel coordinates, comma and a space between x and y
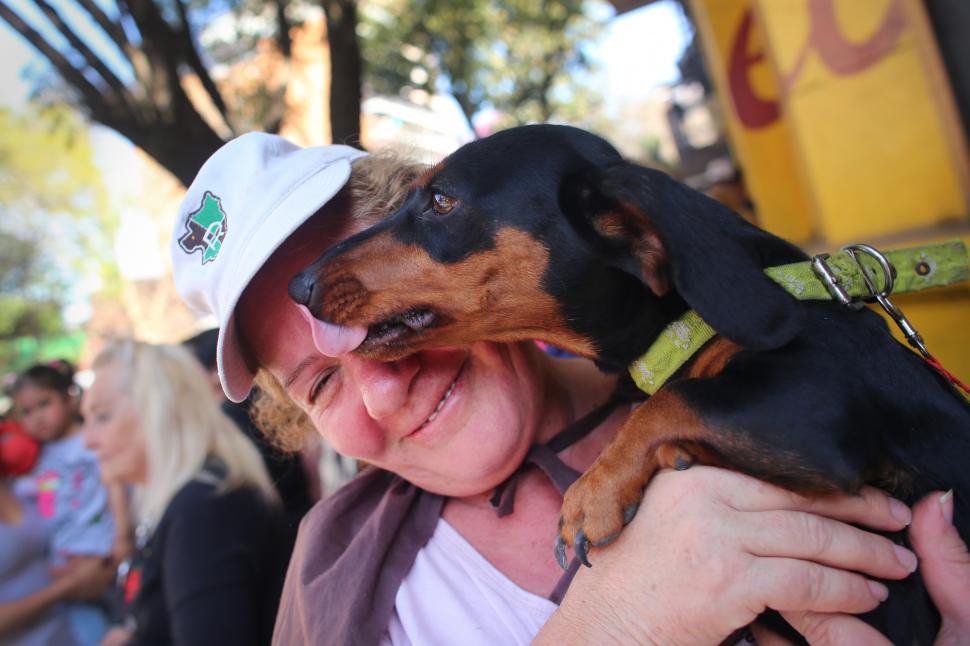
345, 71
154, 111
181, 155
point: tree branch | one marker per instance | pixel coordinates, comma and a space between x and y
89, 56
92, 97
113, 29
158, 70
192, 58
283, 30
345, 71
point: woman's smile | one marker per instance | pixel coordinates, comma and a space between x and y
427, 427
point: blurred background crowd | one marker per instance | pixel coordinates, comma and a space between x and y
824, 121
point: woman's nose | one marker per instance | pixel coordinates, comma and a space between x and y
384, 387
88, 436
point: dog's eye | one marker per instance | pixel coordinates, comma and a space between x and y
442, 204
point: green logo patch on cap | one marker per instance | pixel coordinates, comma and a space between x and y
206, 228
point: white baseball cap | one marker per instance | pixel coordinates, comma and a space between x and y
246, 200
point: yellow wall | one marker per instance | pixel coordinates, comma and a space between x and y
868, 132
842, 120
783, 204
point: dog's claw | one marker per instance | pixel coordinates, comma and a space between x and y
629, 513
561, 553
682, 463
580, 547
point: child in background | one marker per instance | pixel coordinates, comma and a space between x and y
65, 484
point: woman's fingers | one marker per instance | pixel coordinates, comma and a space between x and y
89, 578
824, 629
117, 636
802, 535
944, 564
871, 507
711, 549
787, 584
765, 637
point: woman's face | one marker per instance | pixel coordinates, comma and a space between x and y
45, 413
111, 427
453, 421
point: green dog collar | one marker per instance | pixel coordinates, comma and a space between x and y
914, 269
917, 268
673, 348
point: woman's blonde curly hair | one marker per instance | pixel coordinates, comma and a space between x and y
377, 186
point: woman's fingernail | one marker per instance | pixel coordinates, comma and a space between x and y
879, 591
900, 511
906, 558
946, 504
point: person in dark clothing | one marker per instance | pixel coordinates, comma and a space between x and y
285, 469
211, 546
206, 542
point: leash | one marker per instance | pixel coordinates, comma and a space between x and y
850, 277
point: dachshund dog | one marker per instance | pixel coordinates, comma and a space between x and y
546, 232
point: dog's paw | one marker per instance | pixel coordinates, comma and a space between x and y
595, 510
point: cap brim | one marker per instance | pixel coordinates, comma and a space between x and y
303, 201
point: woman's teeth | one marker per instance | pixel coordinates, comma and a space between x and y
441, 403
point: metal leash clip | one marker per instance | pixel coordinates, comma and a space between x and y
880, 296
831, 281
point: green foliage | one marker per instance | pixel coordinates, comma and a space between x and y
46, 165
522, 57
55, 222
21, 353
24, 317
29, 302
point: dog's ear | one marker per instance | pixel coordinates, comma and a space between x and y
621, 237
713, 257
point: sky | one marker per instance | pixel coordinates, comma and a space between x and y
640, 50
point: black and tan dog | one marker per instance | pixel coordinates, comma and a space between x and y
545, 232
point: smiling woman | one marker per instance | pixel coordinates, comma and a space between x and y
447, 537
364, 415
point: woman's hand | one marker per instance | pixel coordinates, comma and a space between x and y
711, 549
121, 548
945, 567
116, 637
84, 578
944, 564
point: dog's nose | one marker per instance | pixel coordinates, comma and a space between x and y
301, 287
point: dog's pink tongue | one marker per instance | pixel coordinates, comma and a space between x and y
333, 340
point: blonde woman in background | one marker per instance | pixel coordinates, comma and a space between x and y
211, 546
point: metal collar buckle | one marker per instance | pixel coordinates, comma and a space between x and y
881, 296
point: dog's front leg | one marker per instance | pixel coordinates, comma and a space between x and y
662, 433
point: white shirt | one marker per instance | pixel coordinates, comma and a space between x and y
453, 595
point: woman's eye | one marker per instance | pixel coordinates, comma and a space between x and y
442, 204
319, 384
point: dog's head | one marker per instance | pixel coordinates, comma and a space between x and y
546, 232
